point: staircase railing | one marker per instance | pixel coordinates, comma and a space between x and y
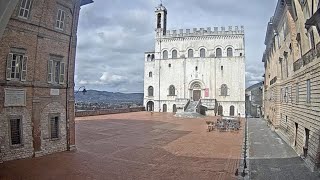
198, 106
186, 106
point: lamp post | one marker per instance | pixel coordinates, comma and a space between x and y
84, 91
314, 21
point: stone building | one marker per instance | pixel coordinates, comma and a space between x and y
188, 68
37, 57
254, 100
292, 83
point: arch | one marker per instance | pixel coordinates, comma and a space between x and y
231, 110
159, 20
150, 91
165, 54
196, 83
218, 52
229, 52
174, 108
152, 57
164, 108
190, 53
174, 54
148, 57
224, 90
172, 90
220, 110
150, 106
150, 74
202, 53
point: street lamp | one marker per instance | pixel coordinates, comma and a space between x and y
84, 91
314, 21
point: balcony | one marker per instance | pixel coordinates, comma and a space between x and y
307, 58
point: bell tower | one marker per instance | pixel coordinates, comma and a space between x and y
161, 20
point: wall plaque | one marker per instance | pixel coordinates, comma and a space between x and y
14, 97
54, 92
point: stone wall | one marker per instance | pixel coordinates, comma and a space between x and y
108, 111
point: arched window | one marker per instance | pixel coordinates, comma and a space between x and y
148, 57
229, 52
202, 53
174, 54
150, 74
231, 110
165, 54
224, 90
150, 91
190, 53
218, 53
159, 20
152, 57
172, 90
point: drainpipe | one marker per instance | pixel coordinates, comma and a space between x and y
67, 74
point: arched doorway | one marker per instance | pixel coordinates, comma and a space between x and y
196, 91
150, 106
164, 108
220, 110
174, 108
231, 110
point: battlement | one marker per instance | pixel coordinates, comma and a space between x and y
205, 31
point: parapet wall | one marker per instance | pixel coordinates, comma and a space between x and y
108, 111
205, 32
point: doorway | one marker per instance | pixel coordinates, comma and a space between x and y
164, 108
231, 110
220, 110
174, 108
306, 142
196, 95
296, 134
150, 106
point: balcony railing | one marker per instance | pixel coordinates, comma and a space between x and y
307, 58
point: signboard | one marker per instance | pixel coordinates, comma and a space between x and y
54, 92
206, 92
14, 97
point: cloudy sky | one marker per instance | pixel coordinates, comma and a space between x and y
114, 34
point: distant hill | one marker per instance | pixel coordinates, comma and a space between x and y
94, 96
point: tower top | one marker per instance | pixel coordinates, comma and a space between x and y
160, 7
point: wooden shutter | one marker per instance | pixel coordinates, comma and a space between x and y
62, 73
24, 68
9, 62
50, 71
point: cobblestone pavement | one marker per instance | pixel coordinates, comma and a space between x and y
137, 146
271, 158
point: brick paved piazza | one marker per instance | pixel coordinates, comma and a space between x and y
137, 146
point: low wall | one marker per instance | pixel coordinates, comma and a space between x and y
108, 111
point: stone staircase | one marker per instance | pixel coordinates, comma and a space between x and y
190, 111
192, 106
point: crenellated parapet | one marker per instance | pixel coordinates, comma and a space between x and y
204, 32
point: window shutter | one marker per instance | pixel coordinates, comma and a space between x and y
24, 68
9, 62
50, 70
62, 72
